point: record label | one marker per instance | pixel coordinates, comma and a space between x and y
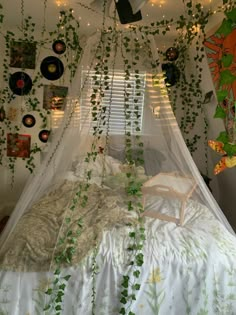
52, 68
172, 54
59, 47
43, 135
20, 83
28, 121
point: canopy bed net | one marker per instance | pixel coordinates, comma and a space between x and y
117, 220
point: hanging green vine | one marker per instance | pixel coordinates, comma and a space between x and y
226, 102
67, 30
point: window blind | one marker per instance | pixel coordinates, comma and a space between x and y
113, 101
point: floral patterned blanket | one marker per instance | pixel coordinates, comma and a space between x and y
186, 270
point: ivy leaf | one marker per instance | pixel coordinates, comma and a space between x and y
136, 286
125, 293
221, 95
123, 300
227, 60
223, 137
225, 28
136, 273
49, 291
58, 308
231, 15
226, 77
219, 113
122, 311
230, 149
47, 307
67, 277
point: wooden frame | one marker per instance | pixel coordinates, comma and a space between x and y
169, 185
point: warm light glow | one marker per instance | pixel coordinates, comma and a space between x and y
61, 3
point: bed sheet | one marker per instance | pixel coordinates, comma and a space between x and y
187, 270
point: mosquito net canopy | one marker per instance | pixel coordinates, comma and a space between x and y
117, 159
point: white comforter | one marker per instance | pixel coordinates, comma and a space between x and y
187, 270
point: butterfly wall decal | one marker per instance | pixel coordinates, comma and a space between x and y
226, 161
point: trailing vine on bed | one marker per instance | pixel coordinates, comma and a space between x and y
130, 284
66, 247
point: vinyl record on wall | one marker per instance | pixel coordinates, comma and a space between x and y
20, 83
59, 47
28, 121
52, 68
43, 135
171, 73
172, 54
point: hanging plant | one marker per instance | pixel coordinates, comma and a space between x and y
66, 40
30, 100
226, 92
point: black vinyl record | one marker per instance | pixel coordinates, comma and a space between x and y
20, 83
59, 47
172, 54
43, 135
171, 73
28, 121
52, 68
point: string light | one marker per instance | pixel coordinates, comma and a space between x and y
61, 3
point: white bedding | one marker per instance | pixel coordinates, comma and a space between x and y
187, 270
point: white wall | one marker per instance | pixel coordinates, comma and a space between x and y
9, 194
224, 183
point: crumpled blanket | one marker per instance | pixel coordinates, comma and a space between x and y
31, 246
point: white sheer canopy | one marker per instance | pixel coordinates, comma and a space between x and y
83, 188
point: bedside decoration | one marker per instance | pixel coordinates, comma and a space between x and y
43, 135
171, 73
20, 83
22, 54
28, 121
54, 97
59, 47
18, 145
226, 161
52, 68
172, 54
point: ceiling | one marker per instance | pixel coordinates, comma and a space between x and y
90, 18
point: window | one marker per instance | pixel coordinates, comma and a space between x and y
113, 101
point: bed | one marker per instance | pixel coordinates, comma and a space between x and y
187, 270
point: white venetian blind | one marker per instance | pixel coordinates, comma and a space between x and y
114, 101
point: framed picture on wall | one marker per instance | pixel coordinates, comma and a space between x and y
54, 97
18, 145
22, 54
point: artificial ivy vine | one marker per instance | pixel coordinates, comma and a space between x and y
227, 77
68, 30
186, 88
130, 283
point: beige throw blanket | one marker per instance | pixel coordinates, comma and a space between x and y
32, 244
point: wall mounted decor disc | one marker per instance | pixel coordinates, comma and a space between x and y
43, 135
28, 121
52, 68
20, 83
59, 47
172, 54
